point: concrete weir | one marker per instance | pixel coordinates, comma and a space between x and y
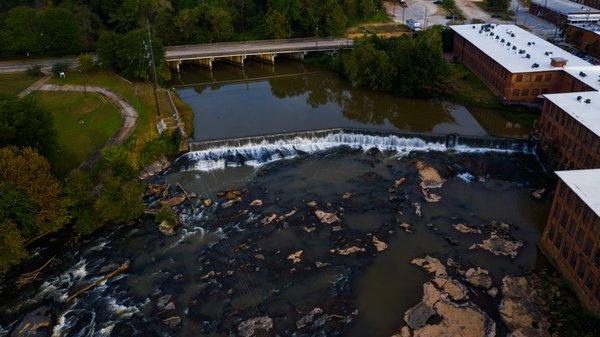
237, 52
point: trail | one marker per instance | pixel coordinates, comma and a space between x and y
128, 113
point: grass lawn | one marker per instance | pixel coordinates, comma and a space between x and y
139, 95
15, 83
84, 122
466, 88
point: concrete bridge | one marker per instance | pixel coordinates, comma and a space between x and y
237, 52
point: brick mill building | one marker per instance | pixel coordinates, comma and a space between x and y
516, 65
563, 12
570, 126
585, 37
571, 238
590, 3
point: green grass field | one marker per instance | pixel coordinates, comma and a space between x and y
15, 83
84, 122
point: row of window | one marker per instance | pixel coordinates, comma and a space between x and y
525, 92
533, 78
487, 69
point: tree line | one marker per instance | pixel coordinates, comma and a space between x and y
63, 27
410, 65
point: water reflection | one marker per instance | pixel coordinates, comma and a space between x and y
232, 101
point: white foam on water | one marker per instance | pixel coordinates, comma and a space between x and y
64, 325
106, 331
466, 177
120, 310
260, 153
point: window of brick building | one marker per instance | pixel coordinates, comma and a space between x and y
566, 249
515, 92
597, 258
590, 280
581, 270
527, 77
535, 92
544, 91
588, 247
519, 78
525, 92
558, 241
548, 77
573, 260
538, 78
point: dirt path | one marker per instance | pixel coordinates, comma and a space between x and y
35, 86
128, 113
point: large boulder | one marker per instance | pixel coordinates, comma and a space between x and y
37, 323
518, 308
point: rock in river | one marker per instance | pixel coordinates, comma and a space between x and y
380, 246
430, 177
431, 265
327, 218
518, 308
479, 277
37, 323
249, 327
499, 246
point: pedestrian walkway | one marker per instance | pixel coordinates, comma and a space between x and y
35, 86
128, 113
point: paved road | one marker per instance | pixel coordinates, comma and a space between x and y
22, 65
253, 47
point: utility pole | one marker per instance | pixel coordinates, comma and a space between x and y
394, 10
316, 37
151, 60
403, 8
425, 19
517, 12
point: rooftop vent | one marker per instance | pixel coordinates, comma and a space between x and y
502, 40
521, 51
588, 101
473, 27
497, 37
535, 65
514, 48
512, 35
582, 74
508, 44
558, 62
579, 98
528, 56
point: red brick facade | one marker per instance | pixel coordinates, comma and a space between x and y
578, 147
571, 240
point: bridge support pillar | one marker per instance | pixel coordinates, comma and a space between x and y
296, 56
206, 62
267, 58
174, 65
237, 59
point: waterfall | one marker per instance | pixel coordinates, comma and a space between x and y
260, 150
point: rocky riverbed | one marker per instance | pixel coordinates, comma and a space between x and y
339, 243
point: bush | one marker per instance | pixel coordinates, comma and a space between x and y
35, 71
166, 144
166, 214
59, 68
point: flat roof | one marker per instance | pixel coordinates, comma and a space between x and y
566, 7
518, 43
586, 184
588, 114
589, 26
587, 75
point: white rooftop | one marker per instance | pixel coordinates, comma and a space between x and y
587, 75
588, 114
518, 43
565, 6
586, 184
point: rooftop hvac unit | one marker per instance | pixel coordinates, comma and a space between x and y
588, 101
535, 65
582, 74
521, 51
528, 56
579, 98
514, 48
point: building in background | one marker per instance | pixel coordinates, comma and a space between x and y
515, 64
590, 3
570, 127
585, 37
571, 238
563, 12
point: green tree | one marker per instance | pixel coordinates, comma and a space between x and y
369, 67
19, 34
24, 122
59, 32
12, 246
277, 24
31, 195
77, 194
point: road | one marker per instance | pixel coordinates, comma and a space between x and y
22, 65
253, 47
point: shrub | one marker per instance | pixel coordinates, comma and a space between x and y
59, 68
35, 71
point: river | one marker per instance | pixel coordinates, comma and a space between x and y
291, 245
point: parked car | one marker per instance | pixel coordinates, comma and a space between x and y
414, 25
437, 2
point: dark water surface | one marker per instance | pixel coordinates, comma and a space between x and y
210, 271
291, 96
